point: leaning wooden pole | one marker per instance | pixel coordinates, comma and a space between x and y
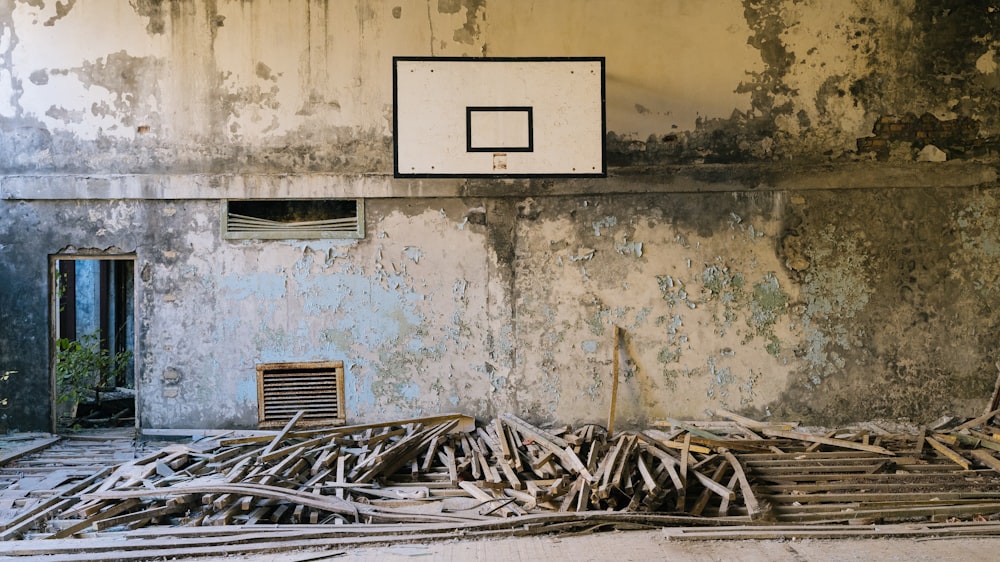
614, 383
995, 399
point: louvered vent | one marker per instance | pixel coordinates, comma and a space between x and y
301, 219
317, 388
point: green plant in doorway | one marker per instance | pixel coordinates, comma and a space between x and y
83, 367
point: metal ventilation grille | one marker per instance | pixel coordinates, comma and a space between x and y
275, 219
283, 389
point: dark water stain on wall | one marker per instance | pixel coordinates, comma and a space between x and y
765, 20
470, 30
62, 10
133, 80
954, 35
898, 301
23, 313
152, 9
909, 61
925, 61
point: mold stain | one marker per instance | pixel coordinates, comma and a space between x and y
979, 243
835, 290
62, 10
152, 9
768, 303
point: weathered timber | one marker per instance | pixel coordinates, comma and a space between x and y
7, 456
752, 505
828, 441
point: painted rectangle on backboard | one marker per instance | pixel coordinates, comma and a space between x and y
498, 117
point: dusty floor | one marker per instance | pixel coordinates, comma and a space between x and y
635, 546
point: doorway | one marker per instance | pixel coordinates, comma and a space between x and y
93, 341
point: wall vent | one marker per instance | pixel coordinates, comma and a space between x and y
317, 388
276, 219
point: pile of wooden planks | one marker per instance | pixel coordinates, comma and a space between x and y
449, 475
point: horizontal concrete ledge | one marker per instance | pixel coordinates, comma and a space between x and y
673, 179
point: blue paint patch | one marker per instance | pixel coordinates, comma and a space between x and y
413, 253
498, 382
458, 288
409, 391
627, 248
416, 345
589, 346
373, 313
640, 318
259, 286
363, 396
246, 391
606, 222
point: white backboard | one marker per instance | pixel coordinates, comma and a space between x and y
498, 117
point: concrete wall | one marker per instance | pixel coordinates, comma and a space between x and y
775, 236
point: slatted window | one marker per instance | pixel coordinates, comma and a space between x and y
273, 219
317, 388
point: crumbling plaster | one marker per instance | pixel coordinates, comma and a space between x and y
277, 86
758, 256
806, 304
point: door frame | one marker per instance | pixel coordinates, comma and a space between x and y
54, 312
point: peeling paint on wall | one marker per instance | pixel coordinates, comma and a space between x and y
892, 310
272, 87
712, 316
815, 304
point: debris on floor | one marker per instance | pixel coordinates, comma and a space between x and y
448, 476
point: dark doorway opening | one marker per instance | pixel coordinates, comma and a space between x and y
93, 341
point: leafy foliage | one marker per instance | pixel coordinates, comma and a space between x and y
83, 366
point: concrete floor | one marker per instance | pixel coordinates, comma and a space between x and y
636, 546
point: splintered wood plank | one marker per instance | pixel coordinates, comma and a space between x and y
706, 494
405, 450
647, 477
556, 445
509, 473
719, 489
431, 454
974, 422
7, 456
143, 515
283, 433
447, 455
984, 440
755, 424
112, 511
465, 424
749, 499
505, 449
849, 514
843, 443
790, 532
31, 485
569, 498
278, 453
948, 452
685, 462
987, 458
493, 503
725, 502
800, 496
25, 521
